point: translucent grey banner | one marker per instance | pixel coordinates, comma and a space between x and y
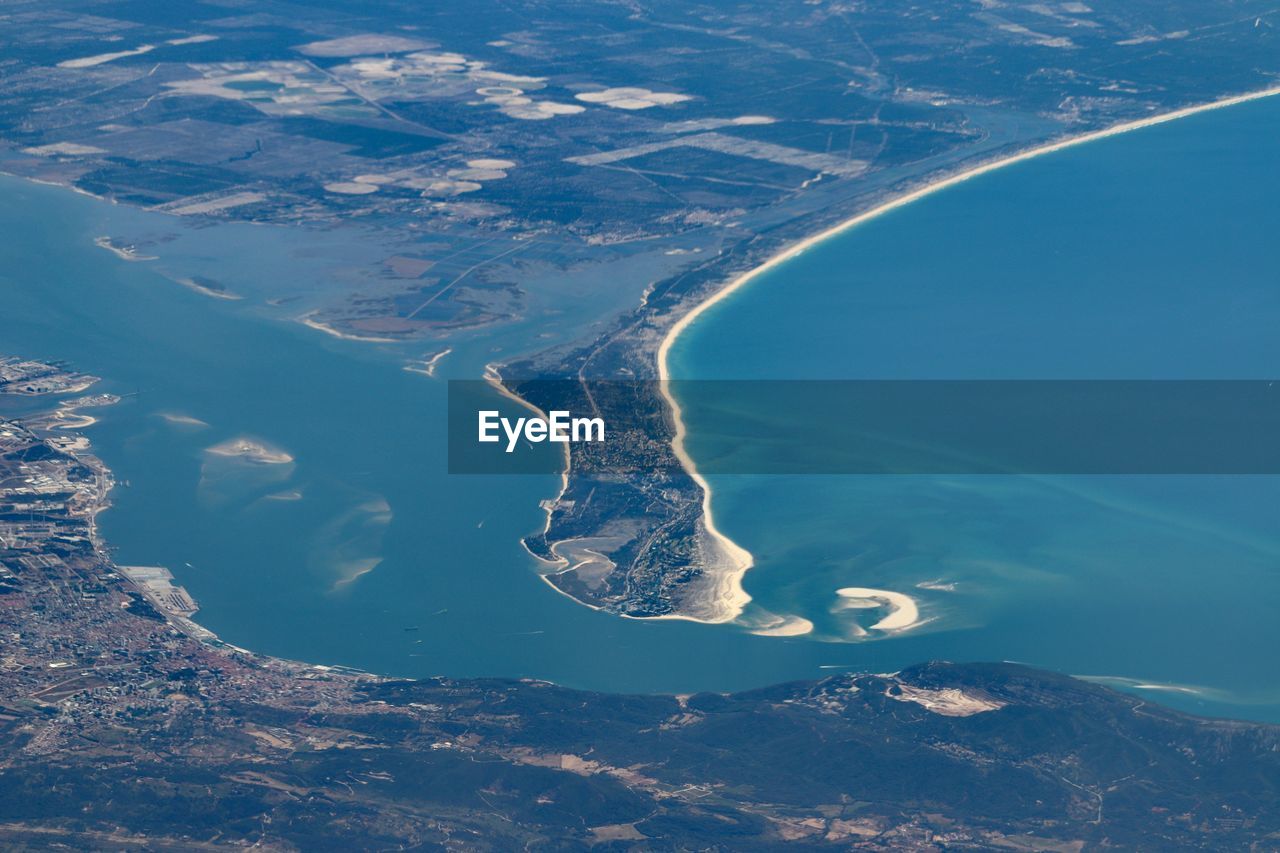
869, 427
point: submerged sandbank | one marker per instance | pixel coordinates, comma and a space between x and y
250, 450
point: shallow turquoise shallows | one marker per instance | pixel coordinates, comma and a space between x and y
1150, 255
1145, 255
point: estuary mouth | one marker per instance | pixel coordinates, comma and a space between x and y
639, 426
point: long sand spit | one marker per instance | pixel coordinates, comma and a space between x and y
732, 598
778, 626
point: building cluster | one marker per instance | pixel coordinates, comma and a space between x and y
18, 376
88, 647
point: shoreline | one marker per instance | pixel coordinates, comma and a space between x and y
494, 379
734, 594
310, 322
124, 253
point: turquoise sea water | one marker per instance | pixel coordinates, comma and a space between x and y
1146, 255
273, 553
1150, 255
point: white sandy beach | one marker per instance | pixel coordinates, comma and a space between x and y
310, 322
903, 611
724, 580
728, 575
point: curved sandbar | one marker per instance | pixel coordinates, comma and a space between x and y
728, 577
427, 366
903, 612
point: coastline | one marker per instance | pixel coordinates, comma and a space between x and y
733, 596
124, 253
310, 322
494, 379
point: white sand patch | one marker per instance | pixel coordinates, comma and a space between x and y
274, 88
250, 450
213, 204
68, 149
356, 187
701, 124
631, 98
311, 322
903, 612
442, 186
784, 626
512, 102
363, 43
454, 182
489, 163
200, 39
499, 91
480, 72
558, 109
476, 174
948, 701
375, 69
99, 59
440, 58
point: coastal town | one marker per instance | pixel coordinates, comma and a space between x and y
115, 641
